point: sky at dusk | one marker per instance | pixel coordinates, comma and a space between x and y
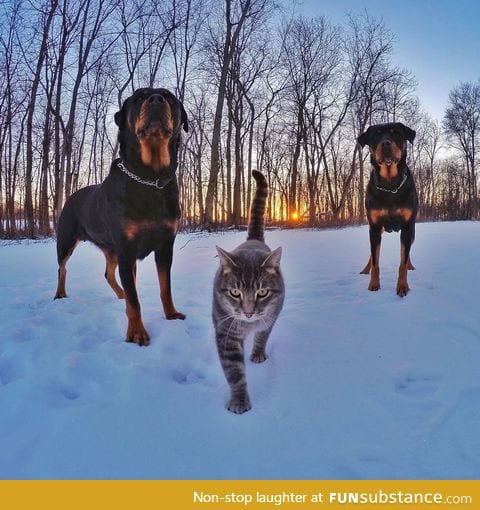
437, 40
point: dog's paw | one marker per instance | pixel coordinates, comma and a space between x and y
366, 269
175, 315
402, 289
239, 406
374, 286
138, 335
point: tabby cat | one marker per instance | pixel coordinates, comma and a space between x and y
248, 296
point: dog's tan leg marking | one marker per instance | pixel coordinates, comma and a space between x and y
166, 295
136, 332
111, 266
375, 271
402, 283
62, 275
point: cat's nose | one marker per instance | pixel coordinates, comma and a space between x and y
248, 314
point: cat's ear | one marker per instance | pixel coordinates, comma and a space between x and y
273, 259
226, 260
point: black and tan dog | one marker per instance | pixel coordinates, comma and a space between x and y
391, 198
136, 209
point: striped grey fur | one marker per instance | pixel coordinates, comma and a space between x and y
248, 296
257, 211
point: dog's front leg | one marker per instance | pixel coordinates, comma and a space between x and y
136, 331
375, 243
163, 261
407, 237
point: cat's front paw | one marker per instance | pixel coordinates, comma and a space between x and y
258, 357
240, 406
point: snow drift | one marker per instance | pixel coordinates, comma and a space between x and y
358, 384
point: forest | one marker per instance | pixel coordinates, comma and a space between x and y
264, 88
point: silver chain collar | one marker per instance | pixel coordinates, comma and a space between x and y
394, 191
136, 178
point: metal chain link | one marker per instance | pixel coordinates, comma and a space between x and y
136, 178
394, 191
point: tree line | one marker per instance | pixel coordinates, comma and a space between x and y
263, 88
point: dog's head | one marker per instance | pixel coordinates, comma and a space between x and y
149, 125
388, 146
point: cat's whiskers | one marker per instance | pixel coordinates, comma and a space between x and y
226, 317
269, 320
263, 320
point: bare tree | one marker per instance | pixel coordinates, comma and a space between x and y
64, 36
462, 128
424, 158
323, 88
248, 65
369, 45
47, 16
12, 99
236, 14
197, 146
290, 101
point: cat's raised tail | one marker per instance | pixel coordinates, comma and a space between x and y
257, 211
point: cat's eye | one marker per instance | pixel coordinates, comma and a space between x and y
235, 293
262, 293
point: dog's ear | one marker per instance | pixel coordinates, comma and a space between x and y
184, 117
120, 116
364, 138
409, 133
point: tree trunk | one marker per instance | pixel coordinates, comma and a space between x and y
29, 212
237, 195
361, 186
228, 49
228, 156
292, 199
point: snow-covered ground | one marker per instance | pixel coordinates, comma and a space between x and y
357, 384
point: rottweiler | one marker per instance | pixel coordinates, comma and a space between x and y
391, 199
135, 210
